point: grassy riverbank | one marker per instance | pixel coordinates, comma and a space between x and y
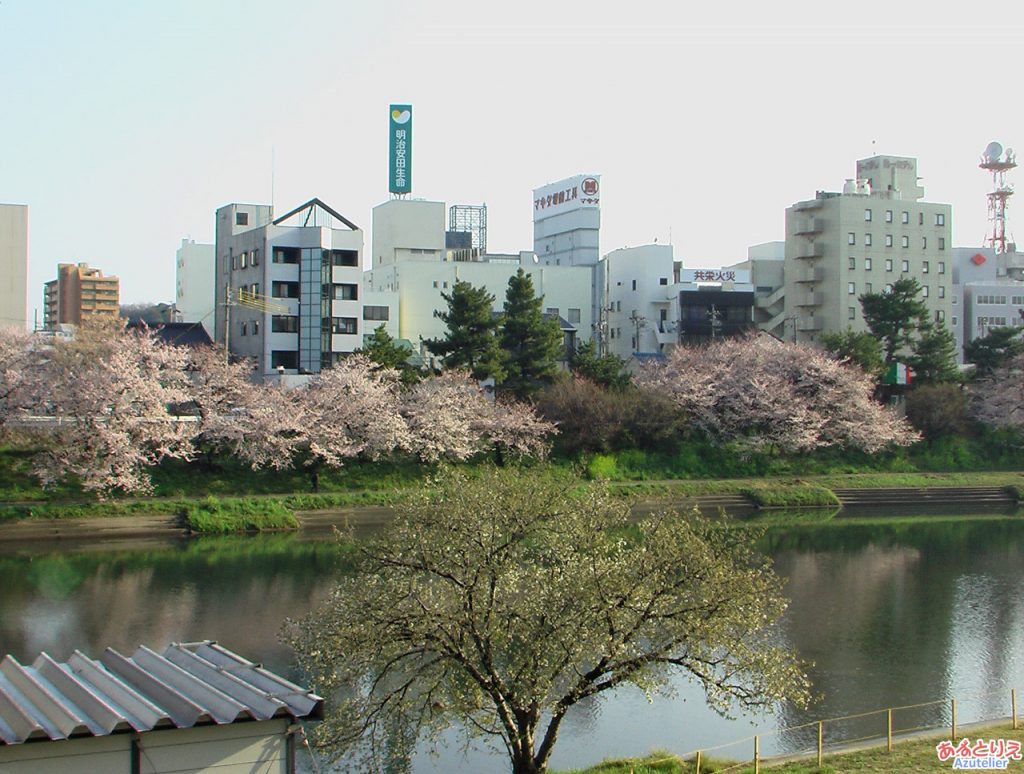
913, 755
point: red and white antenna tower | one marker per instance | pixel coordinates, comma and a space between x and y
998, 163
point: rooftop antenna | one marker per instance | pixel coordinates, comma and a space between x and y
998, 163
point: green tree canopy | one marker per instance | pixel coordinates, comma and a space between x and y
858, 347
470, 341
608, 370
529, 343
895, 317
994, 350
382, 349
499, 601
934, 358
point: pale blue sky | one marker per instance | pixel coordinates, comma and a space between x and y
126, 123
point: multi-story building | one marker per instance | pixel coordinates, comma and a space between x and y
194, 283
288, 289
840, 246
14, 265
989, 292
78, 294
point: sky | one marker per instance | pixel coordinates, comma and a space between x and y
124, 124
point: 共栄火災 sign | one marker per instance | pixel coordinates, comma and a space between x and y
400, 142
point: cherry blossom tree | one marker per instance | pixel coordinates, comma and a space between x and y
763, 394
450, 417
108, 398
999, 400
21, 362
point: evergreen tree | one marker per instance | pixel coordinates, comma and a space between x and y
994, 350
895, 317
934, 358
471, 341
529, 342
858, 347
383, 350
607, 370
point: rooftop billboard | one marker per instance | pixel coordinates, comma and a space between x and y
574, 193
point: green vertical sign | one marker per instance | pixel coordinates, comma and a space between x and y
400, 168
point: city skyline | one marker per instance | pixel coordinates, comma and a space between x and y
129, 124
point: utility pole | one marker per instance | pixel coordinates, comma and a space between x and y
716, 321
638, 321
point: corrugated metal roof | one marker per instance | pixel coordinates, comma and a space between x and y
191, 683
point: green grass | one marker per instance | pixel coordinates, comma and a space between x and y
220, 517
800, 495
913, 755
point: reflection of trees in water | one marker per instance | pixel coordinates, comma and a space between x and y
898, 615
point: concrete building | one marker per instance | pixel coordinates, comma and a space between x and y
412, 268
988, 292
14, 265
194, 283
877, 230
567, 221
640, 310
765, 265
79, 293
288, 289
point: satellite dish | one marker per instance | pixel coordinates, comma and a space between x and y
993, 151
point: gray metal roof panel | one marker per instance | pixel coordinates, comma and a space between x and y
190, 683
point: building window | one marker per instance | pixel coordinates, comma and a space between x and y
284, 323
888, 240
940, 316
888, 216
254, 258
924, 291
867, 240
853, 262
905, 217
552, 311
663, 280
888, 264
940, 219
942, 267
920, 218
851, 313
924, 267
574, 316
286, 255
888, 288
904, 266
234, 262
243, 260
376, 313
851, 288
905, 241
435, 283
343, 325
634, 284
345, 292
867, 215
241, 218
618, 306
343, 257
611, 333
282, 358
867, 287
284, 289
954, 322
851, 238
255, 327
245, 329
924, 243
942, 291
867, 264
942, 243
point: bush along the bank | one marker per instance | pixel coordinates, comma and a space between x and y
796, 495
219, 517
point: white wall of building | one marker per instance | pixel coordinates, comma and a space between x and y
407, 228
194, 286
641, 296
14, 265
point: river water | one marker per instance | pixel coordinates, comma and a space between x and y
891, 615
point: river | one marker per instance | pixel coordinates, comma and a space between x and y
891, 614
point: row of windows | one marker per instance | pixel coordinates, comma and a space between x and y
851, 239
1001, 300
246, 326
376, 313
904, 265
851, 289
340, 291
940, 217
288, 323
992, 322
331, 257
245, 259
572, 315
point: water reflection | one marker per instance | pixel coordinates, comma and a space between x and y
893, 614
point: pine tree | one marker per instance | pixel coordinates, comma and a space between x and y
383, 350
934, 358
994, 350
470, 342
530, 343
607, 370
894, 317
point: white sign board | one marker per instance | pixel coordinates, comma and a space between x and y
574, 193
715, 276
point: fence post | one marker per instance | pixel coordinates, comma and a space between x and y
757, 755
697, 769
1013, 705
952, 704
821, 741
888, 735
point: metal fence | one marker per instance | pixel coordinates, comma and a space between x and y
865, 730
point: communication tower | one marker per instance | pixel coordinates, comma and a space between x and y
998, 163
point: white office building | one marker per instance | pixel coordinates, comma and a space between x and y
14, 265
288, 289
989, 292
194, 290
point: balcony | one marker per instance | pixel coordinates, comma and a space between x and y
809, 226
809, 299
811, 275
811, 250
810, 204
808, 324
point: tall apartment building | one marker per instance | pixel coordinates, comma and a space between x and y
14, 265
79, 293
288, 289
194, 283
877, 230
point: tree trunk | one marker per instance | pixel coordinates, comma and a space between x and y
314, 478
